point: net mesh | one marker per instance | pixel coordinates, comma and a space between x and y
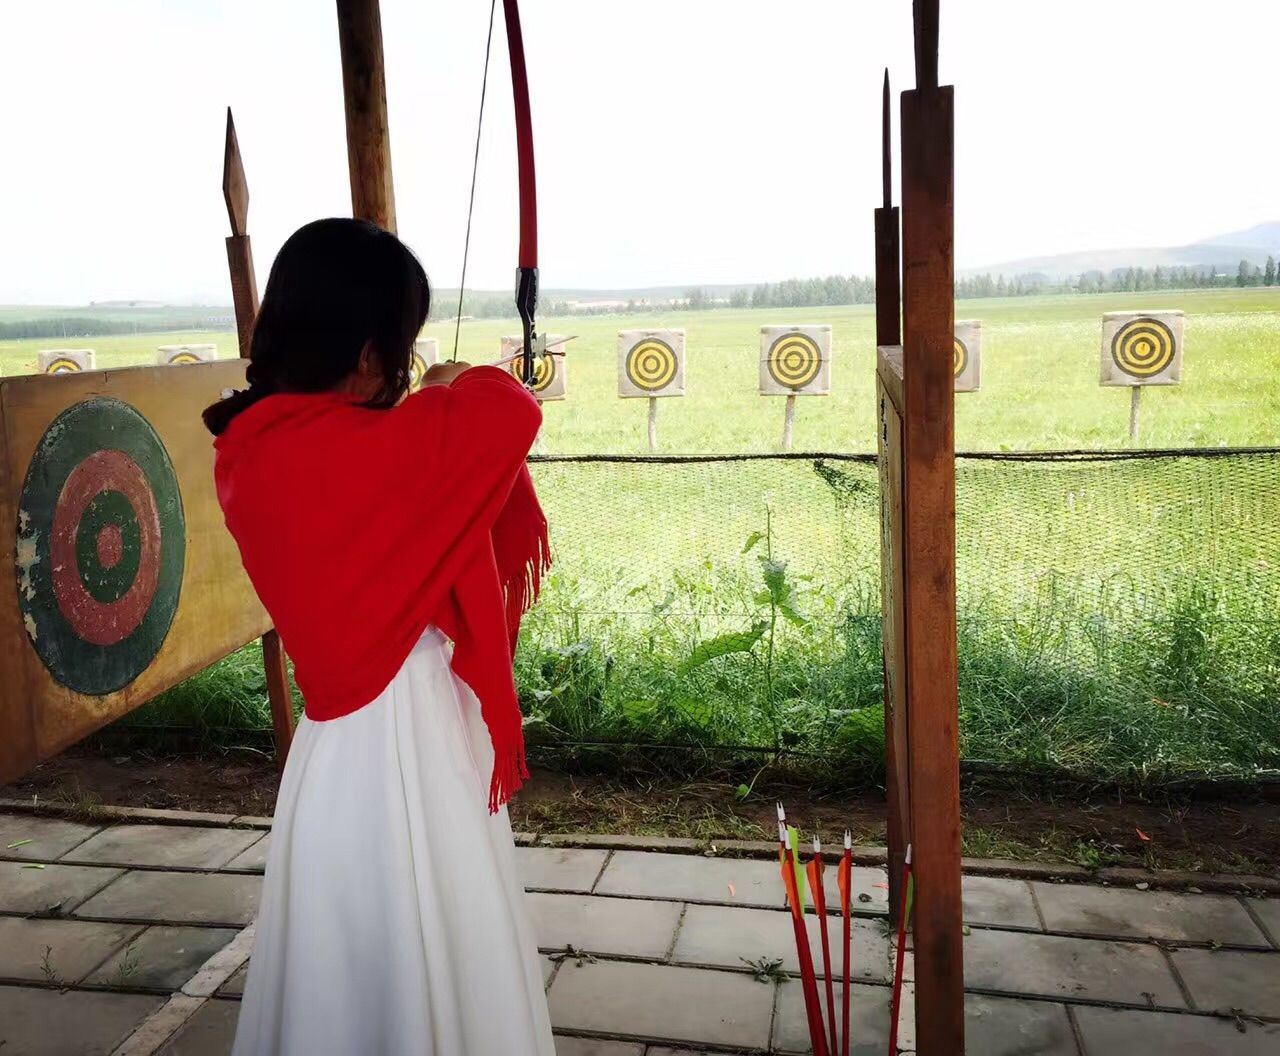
1117, 613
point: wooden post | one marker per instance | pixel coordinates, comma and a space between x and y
364, 88
929, 533
244, 292
788, 422
653, 424
1135, 397
888, 335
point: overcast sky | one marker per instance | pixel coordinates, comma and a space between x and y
678, 141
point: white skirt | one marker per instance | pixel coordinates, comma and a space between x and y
392, 921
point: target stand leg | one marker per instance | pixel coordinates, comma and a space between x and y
788, 422
277, 671
1135, 396
653, 424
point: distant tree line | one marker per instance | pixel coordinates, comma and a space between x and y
84, 326
1134, 280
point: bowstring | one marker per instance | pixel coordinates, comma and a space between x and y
475, 168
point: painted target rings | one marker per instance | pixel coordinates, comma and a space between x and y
100, 547
544, 372
417, 370
63, 366
959, 357
651, 364
1143, 347
794, 360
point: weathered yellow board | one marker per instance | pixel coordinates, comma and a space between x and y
122, 577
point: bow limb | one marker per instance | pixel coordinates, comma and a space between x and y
527, 272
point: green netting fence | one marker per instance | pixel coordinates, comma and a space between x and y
1119, 613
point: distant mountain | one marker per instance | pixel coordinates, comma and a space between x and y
1224, 252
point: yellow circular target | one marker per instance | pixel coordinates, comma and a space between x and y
63, 366
959, 358
1143, 348
544, 372
794, 360
651, 364
417, 370
184, 357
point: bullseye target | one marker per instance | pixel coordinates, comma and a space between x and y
650, 363
65, 360
177, 355
966, 355
550, 378
426, 354
1142, 348
795, 360
101, 542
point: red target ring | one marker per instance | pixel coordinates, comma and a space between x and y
104, 623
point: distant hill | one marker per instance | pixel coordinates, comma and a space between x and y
1224, 252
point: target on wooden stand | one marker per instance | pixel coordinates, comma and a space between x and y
65, 360
176, 355
426, 354
795, 360
650, 363
550, 379
966, 357
1142, 348
101, 542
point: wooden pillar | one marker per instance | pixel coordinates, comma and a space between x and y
929, 538
244, 293
364, 89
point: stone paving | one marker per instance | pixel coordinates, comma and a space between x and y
130, 938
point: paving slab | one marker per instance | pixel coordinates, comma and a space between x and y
52, 889
868, 1019
1131, 913
695, 878
56, 1023
253, 858
1106, 1032
1001, 1026
723, 936
182, 898
209, 1032
624, 927
50, 837
594, 1047
57, 951
234, 987
184, 846
559, 868
1057, 966
663, 1050
161, 958
1225, 979
663, 1003
1268, 911
997, 900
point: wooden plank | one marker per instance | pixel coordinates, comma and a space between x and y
929, 534
216, 609
244, 290
892, 615
888, 278
364, 87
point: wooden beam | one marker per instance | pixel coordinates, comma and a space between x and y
244, 295
930, 591
364, 87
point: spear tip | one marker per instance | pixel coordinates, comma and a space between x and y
235, 189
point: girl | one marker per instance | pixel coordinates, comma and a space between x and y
395, 543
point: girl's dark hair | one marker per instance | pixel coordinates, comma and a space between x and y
335, 286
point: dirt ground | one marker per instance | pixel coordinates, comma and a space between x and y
1236, 832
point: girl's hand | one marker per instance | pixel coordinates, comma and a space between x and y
443, 373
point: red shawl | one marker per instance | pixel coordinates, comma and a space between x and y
360, 528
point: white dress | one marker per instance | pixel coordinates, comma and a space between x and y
392, 921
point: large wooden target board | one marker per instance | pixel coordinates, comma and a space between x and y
124, 578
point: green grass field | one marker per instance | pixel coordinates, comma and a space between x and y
1118, 620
